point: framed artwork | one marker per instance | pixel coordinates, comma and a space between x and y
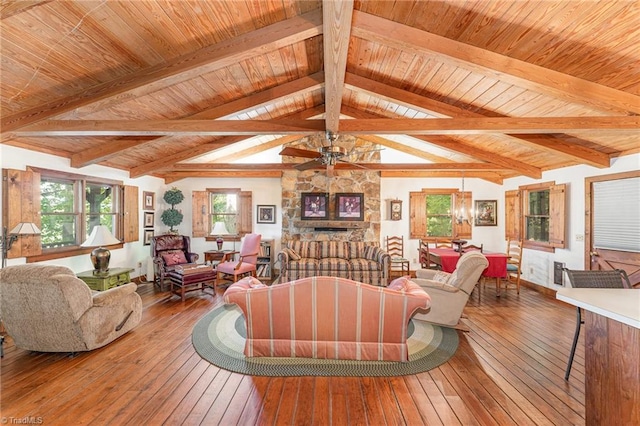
396, 209
149, 219
313, 206
148, 234
350, 206
148, 200
486, 213
267, 214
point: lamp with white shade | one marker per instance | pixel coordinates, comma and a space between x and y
219, 229
100, 256
23, 228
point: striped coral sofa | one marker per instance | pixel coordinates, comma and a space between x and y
327, 317
358, 261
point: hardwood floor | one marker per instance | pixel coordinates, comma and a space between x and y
508, 370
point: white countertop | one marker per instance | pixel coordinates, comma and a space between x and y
620, 304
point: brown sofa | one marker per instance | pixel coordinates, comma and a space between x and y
48, 309
363, 262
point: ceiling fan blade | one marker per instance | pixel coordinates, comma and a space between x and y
307, 166
350, 163
298, 152
356, 152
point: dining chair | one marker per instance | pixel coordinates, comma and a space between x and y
444, 244
470, 247
395, 248
423, 256
616, 278
514, 263
246, 263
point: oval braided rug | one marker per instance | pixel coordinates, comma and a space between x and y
219, 338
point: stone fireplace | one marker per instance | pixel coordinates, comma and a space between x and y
295, 182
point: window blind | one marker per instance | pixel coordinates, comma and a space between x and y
616, 214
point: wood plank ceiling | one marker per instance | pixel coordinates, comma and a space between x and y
492, 89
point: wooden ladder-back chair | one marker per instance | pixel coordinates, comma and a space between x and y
444, 244
423, 256
470, 247
616, 278
514, 263
395, 248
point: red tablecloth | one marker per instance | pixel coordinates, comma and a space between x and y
497, 262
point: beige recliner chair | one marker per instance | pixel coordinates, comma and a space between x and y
450, 292
48, 309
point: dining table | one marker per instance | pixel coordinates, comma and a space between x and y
447, 258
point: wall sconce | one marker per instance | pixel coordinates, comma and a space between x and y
23, 228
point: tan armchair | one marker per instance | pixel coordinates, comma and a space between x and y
48, 309
450, 292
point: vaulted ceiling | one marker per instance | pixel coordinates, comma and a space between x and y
175, 89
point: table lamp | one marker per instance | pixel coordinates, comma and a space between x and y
219, 229
100, 256
23, 228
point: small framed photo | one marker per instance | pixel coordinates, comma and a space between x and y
149, 219
266, 214
486, 213
148, 200
350, 206
148, 234
314, 206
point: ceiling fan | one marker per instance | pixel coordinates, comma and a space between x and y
328, 155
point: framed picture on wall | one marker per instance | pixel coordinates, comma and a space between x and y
148, 234
149, 219
314, 206
148, 200
350, 206
486, 213
266, 214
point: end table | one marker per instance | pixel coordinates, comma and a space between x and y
113, 278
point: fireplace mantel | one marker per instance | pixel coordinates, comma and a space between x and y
331, 225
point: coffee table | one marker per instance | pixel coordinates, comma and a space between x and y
191, 278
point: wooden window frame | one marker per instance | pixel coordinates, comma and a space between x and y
201, 219
516, 213
418, 215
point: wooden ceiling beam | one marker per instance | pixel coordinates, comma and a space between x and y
183, 68
104, 152
168, 161
439, 109
489, 176
274, 94
500, 67
421, 126
459, 167
336, 21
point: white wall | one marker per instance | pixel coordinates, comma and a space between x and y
537, 265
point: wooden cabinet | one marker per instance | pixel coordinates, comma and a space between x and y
113, 278
264, 267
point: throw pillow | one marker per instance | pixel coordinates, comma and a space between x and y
399, 284
292, 254
174, 258
441, 277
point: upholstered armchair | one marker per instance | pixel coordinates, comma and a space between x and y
48, 309
246, 263
169, 251
450, 292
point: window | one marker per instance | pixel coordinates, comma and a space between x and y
231, 206
536, 212
71, 207
433, 214
66, 207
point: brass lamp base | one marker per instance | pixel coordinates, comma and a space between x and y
100, 258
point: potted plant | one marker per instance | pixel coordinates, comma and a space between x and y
172, 217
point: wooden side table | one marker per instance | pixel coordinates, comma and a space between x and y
113, 278
216, 256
